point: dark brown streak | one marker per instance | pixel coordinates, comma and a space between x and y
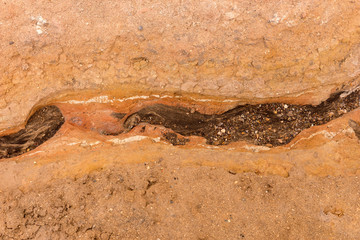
271, 124
118, 115
40, 127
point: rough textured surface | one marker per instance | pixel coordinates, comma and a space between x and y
208, 55
81, 184
249, 49
159, 200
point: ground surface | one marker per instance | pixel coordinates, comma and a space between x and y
119, 57
159, 200
268, 125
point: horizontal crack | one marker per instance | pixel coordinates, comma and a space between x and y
272, 124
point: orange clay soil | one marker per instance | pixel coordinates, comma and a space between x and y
84, 185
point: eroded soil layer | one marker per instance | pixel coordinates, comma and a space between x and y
270, 124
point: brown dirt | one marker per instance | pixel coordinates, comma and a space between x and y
272, 124
158, 200
90, 182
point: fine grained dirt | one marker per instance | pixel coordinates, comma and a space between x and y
159, 201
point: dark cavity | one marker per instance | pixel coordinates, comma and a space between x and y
41, 126
271, 124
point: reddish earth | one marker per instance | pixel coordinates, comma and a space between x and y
163, 200
92, 58
84, 185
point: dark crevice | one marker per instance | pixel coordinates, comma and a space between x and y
118, 115
271, 124
41, 126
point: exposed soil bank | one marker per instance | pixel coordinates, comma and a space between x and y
88, 181
251, 50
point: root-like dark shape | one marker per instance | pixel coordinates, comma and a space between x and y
271, 124
41, 126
